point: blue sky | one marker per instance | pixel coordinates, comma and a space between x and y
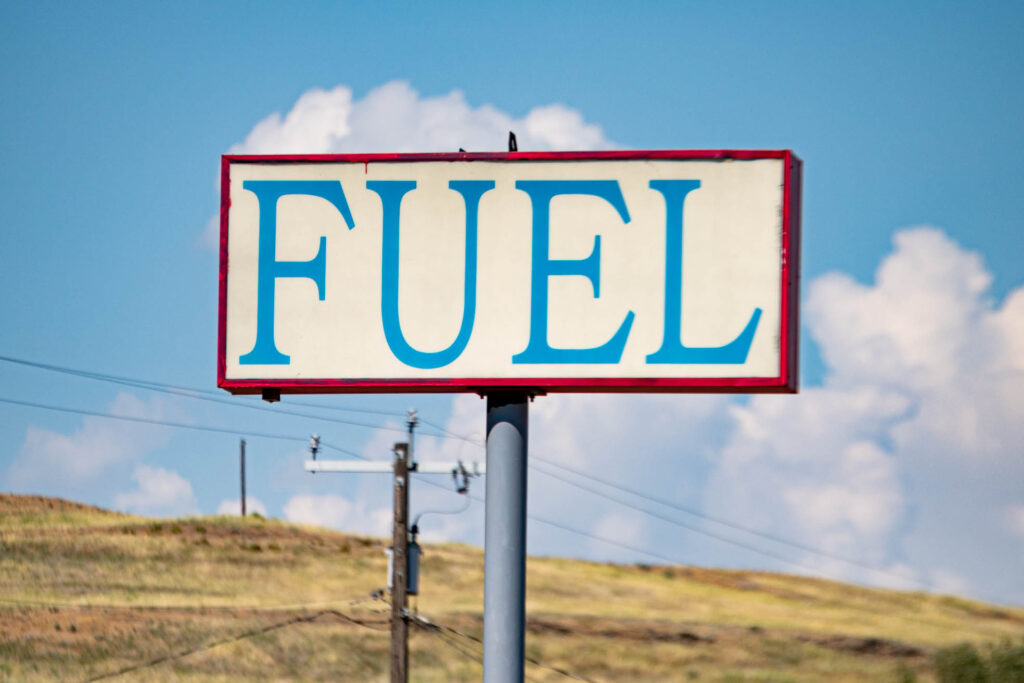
904, 450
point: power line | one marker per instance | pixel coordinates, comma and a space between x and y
214, 396
689, 511
558, 525
703, 516
700, 515
170, 388
450, 434
343, 450
176, 425
731, 525
196, 394
432, 626
146, 420
696, 530
241, 636
665, 558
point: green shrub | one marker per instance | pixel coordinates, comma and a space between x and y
960, 664
1002, 663
1006, 662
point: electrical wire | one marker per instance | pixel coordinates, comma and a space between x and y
454, 435
430, 626
345, 451
664, 558
201, 395
690, 511
458, 511
146, 420
699, 515
157, 386
564, 527
213, 396
703, 532
224, 641
176, 425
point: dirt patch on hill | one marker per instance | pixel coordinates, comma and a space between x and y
17, 503
881, 647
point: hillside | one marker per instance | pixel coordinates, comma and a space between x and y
86, 592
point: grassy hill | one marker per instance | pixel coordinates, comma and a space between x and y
87, 593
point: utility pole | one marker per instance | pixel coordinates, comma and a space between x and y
399, 568
403, 567
241, 454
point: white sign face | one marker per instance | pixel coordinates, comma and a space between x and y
611, 271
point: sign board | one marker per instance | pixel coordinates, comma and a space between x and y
570, 271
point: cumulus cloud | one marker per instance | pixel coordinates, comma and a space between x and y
396, 118
909, 453
159, 492
65, 464
334, 511
629, 527
234, 507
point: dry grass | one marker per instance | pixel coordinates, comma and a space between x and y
85, 592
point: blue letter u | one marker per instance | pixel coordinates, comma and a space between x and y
391, 193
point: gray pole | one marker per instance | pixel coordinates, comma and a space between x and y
241, 453
505, 537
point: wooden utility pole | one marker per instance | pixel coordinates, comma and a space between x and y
399, 569
241, 453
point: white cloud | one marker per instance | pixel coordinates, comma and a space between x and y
911, 449
396, 118
336, 512
159, 492
1015, 519
315, 124
944, 581
210, 237
631, 528
806, 467
234, 507
928, 327
51, 462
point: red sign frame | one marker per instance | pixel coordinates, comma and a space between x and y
785, 382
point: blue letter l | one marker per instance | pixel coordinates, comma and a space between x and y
672, 350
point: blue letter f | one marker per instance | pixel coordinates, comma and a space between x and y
267, 192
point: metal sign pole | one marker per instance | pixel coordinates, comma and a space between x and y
505, 537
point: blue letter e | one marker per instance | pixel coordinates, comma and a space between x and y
544, 267
267, 192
